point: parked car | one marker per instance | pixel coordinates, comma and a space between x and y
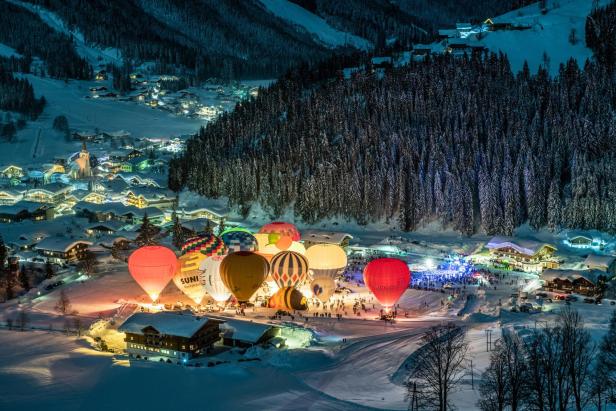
571, 298
526, 308
51, 286
589, 300
548, 300
542, 295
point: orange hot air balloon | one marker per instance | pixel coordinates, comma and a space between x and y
243, 273
288, 298
152, 267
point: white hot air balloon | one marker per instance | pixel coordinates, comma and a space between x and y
212, 282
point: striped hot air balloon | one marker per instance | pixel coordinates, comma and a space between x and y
206, 244
288, 298
239, 241
288, 268
243, 273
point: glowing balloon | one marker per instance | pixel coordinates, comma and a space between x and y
206, 244
288, 269
235, 230
239, 241
387, 278
284, 242
152, 267
189, 281
279, 228
288, 298
323, 288
212, 281
268, 250
326, 260
243, 273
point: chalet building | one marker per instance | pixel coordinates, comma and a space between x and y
585, 282
104, 228
87, 196
584, 242
244, 334
603, 263
142, 197
312, 237
522, 255
214, 215
25, 210
12, 171
10, 197
50, 193
178, 336
62, 250
118, 212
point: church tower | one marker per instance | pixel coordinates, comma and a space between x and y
83, 161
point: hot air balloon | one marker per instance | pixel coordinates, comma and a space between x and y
326, 260
239, 241
288, 298
190, 282
152, 267
323, 288
243, 273
279, 229
387, 278
268, 250
235, 230
210, 268
288, 268
206, 244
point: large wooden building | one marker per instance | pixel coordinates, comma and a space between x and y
585, 282
522, 255
180, 336
62, 250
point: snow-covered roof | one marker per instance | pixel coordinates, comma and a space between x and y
524, 246
53, 188
29, 206
603, 261
246, 331
110, 225
198, 224
59, 244
118, 209
571, 275
167, 323
331, 237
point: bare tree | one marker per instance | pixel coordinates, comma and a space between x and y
77, 325
88, 263
515, 368
439, 365
493, 386
64, 303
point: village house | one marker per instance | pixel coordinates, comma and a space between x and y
12, 171
26, 210
214, 215
244, 334
88, 196
313, 237
603, 263
142, 197
118, 212
10, 197
522, 255
50, 193
585, 282
62, 250
582, 241
178, 336
104, 228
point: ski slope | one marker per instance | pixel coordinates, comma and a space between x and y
94, 55
314, 24
549, 35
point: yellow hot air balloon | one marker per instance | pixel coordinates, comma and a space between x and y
243, 273
190, 281
288, 298
327, 260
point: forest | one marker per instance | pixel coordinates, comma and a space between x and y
18, 95
30, 36
462, 141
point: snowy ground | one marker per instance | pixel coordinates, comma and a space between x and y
549, 34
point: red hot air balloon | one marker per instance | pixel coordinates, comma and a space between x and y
387, 278
152, 267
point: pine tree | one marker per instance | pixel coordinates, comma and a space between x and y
49, 272
148, 232
177, 231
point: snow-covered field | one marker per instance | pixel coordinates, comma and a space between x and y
549, 34
314, 25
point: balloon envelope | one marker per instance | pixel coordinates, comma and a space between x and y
279, 229
239, 241
235, 230
190, 282
152, 267
270, 250
206, 244
387, 278
326, 259
243, 273
288, 269
210, 268
323, 288
288, 298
